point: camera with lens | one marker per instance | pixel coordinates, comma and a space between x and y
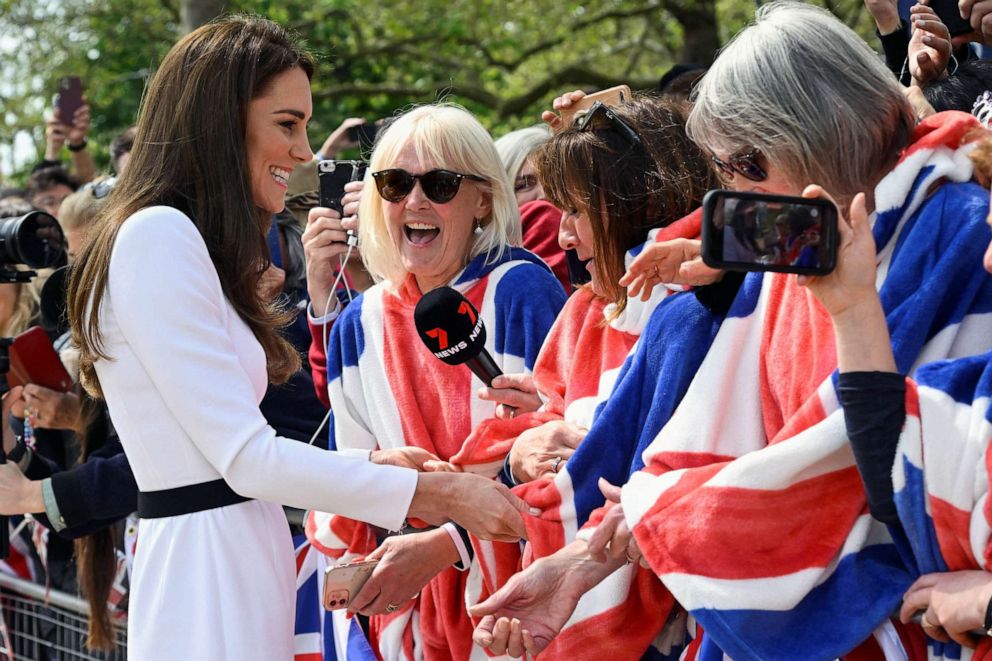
34, 240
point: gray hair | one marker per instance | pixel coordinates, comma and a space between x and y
450, 137
810, 94
516, 147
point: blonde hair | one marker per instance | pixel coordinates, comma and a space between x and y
449, 137
79, 209
516, 147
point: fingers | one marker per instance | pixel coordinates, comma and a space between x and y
858, 215
501, 636
697, 274
368, 594
483, 634
519, 381
600, 538
515, 643
508, 396
612, 492
440, 467
913, 601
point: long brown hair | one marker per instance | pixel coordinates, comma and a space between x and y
635, 187
190, 154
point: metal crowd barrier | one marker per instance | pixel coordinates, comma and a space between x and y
40, 625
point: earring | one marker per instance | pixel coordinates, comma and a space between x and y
478, 227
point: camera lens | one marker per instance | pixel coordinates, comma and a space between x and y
34, 239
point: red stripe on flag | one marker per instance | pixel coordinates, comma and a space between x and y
735, 533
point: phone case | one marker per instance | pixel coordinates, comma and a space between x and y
33, 360
712, 237
333, 175
70, 98
343, 582
611, 97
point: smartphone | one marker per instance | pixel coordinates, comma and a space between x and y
333, 175
33, 360
343, 582
613, 96
364, 135
947, 11
70, 98
761, 232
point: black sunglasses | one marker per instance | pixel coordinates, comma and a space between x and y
744, 163
439, 186
600, 112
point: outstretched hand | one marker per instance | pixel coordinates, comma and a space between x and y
677, 261
929, 46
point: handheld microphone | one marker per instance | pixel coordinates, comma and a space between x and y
452, 329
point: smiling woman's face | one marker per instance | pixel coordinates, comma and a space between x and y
433, 240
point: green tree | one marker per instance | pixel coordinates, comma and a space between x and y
504, 60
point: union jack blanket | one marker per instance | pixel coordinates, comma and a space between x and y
750, 508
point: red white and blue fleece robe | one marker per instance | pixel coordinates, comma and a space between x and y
750, 508
387, 390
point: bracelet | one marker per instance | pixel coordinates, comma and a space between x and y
80, 147
988, 618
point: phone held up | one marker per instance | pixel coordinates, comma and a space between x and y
365, 135
762, 232
333, 175
949, 14
69, 98
343, 582
613, 96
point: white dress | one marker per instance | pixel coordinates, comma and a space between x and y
183, 383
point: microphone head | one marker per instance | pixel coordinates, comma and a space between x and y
449, 326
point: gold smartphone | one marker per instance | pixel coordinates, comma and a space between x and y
343, 582
613, 96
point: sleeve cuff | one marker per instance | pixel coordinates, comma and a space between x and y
356, 453
465, 558
52, 506
327, 318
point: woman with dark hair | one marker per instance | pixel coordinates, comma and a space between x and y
624, 175
174, 334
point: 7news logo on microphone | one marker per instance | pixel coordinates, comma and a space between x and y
440, 335
451, 328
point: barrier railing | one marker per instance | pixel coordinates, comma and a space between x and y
40, 625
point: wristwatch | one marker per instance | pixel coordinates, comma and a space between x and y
20, 448
80, 147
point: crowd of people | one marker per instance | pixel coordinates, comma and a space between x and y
674, 462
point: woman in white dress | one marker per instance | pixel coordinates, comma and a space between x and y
172, 333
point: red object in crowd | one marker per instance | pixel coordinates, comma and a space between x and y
540, 220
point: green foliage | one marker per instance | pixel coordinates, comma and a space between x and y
504, 60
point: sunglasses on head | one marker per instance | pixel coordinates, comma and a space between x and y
439, 186
599, 115
744, 163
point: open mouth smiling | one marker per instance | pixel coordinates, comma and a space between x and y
421, 234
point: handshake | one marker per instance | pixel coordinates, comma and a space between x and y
482, 506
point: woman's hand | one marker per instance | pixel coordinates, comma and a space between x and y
953, 603
513, 393
406, 564
405, 457
541, 451
349, 203
563, 102
612, 540
929, 46
324, 239
852, 282
18, 494
677, 262
848, 294
979, 14
530, 610
51, 409
886, 15
338, 140
78, 126
485, 508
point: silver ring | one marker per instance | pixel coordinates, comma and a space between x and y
391, 608
556, 463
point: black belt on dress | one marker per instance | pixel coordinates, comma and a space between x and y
186, 500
